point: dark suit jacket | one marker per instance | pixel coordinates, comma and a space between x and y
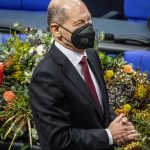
64, 111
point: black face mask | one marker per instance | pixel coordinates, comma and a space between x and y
82, 37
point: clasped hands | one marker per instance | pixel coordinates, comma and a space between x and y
123, 131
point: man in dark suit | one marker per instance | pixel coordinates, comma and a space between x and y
69, 99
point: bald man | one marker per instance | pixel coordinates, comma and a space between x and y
69, 99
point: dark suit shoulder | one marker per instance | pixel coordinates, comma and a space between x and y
93, 54
50, 60
44, 65
91, 51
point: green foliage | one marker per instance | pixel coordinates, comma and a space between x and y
110, 61
129, 93
17, 62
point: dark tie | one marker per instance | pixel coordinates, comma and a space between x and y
89, 82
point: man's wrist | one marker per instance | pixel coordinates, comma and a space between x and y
109, 136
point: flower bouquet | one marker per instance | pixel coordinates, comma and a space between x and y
129, 90
129, 93
17, 62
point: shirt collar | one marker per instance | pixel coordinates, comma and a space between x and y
73, 56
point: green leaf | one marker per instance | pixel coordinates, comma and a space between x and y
29, 129
12, 51
10, 119
17, 131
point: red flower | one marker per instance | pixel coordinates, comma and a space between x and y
1, 72
9, 97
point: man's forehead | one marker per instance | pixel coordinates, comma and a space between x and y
78, 12
83, 16
74, 9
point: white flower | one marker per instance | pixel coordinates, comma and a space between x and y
32, 50
27, 74
34, 134
16, 24
27, 77
39, 33
40, 50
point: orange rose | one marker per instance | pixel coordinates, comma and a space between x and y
9, 97
1, 72
127, 68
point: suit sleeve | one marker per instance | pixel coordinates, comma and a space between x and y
51, 117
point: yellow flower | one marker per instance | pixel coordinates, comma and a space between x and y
119, 111
106, 79
109, 73
18, 75
141, 91
134, 111
133, 146
127, 108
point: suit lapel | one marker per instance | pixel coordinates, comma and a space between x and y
73, 76
69, 70
98, 73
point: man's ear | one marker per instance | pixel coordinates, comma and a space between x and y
54, 28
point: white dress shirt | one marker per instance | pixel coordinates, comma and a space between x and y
75, 59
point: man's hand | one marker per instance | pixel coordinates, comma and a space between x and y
122, 130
